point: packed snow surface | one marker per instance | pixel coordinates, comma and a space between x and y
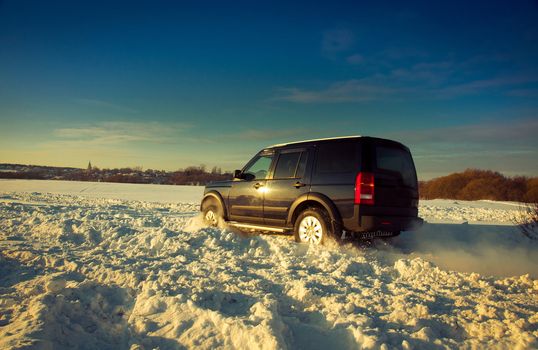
149, 192
111, 266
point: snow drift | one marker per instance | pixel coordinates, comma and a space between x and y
92, 272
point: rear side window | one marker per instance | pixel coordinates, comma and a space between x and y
286, 165
290, 165
338, 157
397, 160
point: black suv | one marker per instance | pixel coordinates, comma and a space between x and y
346, 186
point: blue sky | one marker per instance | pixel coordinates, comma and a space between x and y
164, 84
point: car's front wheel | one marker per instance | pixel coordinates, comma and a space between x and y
212, 212
312, 226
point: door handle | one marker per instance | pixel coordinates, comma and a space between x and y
298, 184
258, 185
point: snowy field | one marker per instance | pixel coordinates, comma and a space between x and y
121, 266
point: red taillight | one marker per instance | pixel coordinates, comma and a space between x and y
364, 188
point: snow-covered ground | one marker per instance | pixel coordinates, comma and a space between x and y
122, 266
148, 193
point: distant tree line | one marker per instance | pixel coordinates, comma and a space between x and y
472, 184
475, 184
193, 175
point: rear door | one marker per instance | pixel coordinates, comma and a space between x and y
395, 176
290, 179
335, 170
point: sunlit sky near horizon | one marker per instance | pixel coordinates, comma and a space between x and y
165, 85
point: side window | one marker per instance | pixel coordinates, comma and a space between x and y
287, 165
338, 157
260, 167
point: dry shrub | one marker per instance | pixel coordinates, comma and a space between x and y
483, 188
527, 220
532, 190
475, 184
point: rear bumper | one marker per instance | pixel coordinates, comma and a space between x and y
383, 222
388, 223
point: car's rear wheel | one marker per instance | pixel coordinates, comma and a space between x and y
312, 226
212, 212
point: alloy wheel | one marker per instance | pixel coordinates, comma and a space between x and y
310, 230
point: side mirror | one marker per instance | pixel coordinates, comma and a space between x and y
248, 176
237, 174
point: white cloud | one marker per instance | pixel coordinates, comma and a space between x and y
353, 90
530, 93
434, 80
478, 86
115, 133
522, 131
337, 40
509, 147
355, 59
106, 105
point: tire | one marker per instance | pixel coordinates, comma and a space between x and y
312, 226
212, 212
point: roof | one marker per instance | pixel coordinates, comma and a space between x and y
314, 140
